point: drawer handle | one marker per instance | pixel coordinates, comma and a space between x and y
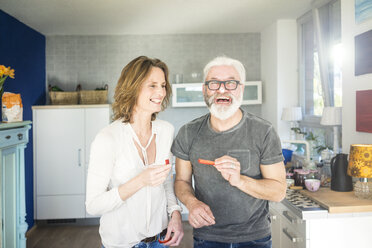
79, 157
292, 219
8, 137
293, 239
20, 136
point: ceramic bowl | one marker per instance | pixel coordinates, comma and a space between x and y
290, 182
312, 184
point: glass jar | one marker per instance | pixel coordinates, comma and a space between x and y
300, 175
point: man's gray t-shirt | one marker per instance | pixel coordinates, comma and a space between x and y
253, 141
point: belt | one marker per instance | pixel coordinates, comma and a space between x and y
154, 238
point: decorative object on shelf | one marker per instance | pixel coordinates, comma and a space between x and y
332, 116
59, 97
364, 111
97, 96
12, 108
293, 115
360, 166
178, 78
5, 72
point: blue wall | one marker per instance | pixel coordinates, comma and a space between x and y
23, 49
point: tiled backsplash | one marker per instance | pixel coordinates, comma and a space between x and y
95, 60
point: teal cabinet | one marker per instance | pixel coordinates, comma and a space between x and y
13, 140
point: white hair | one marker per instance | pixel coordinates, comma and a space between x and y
223, 60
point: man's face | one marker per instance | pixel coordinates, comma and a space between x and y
223, 103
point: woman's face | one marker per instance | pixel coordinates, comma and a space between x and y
152, 92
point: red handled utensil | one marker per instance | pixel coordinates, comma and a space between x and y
204, 161
167, 161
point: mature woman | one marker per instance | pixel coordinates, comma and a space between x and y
129, 182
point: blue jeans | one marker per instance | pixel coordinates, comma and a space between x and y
259, 243
154, 244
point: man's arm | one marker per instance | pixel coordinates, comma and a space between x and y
271, 187
199, 213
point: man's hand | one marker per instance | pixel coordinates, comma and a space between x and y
200, 214
175, 227
229, 168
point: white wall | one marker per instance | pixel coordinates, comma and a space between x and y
279, 72
351, 83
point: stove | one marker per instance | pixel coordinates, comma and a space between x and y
303, 206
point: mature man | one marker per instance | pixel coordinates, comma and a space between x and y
229, 206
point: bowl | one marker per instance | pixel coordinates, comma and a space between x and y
290, 182
312, 184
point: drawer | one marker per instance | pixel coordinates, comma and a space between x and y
293, 221
291, 237
11, 137
60, 207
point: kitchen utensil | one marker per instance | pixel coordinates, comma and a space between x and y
340, 181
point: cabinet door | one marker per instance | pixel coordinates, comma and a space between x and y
9, 205
95, 120
59, 149
276, 228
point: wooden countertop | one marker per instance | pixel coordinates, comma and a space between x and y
339, 202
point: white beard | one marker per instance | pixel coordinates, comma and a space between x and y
223, 112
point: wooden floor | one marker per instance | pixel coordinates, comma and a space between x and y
51, 236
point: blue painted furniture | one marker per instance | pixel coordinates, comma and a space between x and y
13, 140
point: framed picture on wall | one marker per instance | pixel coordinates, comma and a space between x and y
363, 53
364, 111
363, 10
191, 94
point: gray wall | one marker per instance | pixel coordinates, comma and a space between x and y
93, 61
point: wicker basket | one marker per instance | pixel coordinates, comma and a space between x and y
63, 98
93, 96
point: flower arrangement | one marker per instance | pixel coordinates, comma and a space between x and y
4, 73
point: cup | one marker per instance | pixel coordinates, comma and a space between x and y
312, 184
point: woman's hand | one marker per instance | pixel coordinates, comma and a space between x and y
229, 168
154, 175
175, 230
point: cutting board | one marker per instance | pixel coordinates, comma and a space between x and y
339, 202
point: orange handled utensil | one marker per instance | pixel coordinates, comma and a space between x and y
204, 161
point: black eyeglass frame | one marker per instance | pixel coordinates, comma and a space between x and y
222, 82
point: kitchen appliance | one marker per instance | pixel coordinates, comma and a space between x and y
340, 181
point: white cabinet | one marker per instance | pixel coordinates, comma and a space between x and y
62, 138
320, 230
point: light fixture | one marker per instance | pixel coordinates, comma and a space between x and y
360, 166
292, 114
332, 116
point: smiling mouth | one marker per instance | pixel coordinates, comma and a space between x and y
223, 100
156, 101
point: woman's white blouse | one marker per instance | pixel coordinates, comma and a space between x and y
114, 160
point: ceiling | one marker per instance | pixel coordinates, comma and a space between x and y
115, 17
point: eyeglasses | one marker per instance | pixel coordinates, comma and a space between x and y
215, 84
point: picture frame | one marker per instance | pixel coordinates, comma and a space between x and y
191, 94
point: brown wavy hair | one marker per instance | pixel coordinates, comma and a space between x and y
129, 85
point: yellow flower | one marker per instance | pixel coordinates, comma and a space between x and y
4, 73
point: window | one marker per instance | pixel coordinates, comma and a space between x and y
312, 93
316, 93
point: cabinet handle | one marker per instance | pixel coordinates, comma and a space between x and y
292, 219
293, 239
20, 136
8, 137
79, 157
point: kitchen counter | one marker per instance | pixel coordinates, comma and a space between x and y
339, 202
